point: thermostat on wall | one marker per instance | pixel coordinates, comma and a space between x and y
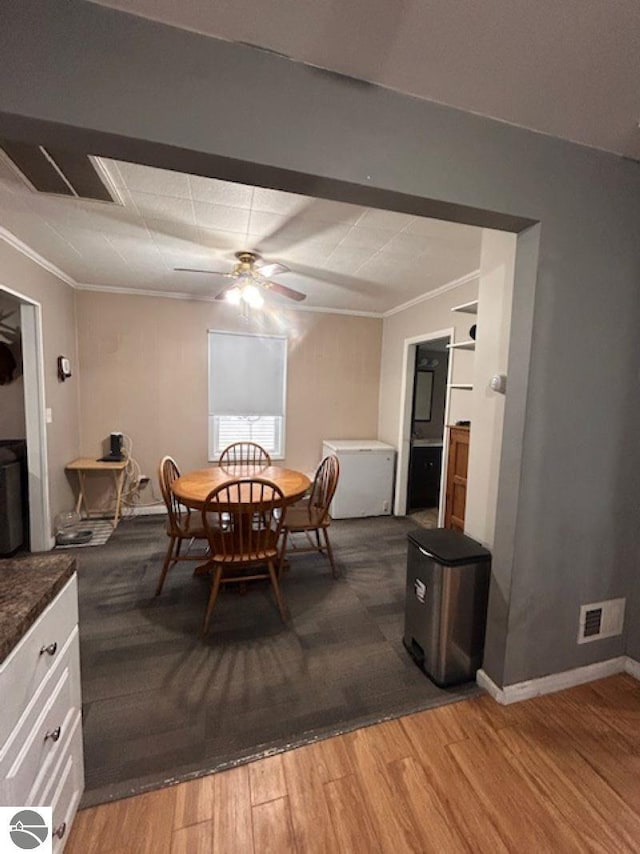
499, 383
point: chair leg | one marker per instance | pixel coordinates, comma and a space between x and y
215, 588
283, 553
319, 547
178, 547
276, 591
334, 568
165, 567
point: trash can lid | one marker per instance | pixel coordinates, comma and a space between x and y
450, 548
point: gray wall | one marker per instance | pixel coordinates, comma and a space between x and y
567, 527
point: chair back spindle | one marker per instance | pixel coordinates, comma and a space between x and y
324, 487
168, 473
245, 454
241, 521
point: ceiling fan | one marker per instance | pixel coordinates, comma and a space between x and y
249, 276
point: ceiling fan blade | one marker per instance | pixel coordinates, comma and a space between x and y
195, 270
283, 291
272, 269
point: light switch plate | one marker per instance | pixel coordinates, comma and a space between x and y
48, 415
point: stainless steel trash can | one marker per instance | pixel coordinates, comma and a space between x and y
446, 604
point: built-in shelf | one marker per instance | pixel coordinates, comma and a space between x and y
467, 307
463, 345
461, 385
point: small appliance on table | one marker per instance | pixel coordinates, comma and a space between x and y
365, 486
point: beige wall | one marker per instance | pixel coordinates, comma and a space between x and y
144, 372
19, 273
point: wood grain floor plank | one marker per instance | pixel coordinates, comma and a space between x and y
394, 824
194, 801
141, 824
312, 827
194, 839
389, 740
353, 824
272, 827
232, 820
430, 815
579, 793
465, 814
523, 818
332, 758
266, 779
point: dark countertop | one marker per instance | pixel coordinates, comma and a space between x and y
27, 585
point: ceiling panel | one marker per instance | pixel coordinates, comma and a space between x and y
341, 255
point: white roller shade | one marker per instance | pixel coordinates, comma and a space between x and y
246, 374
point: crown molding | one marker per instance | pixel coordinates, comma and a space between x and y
436, 292
15, 242
179, 295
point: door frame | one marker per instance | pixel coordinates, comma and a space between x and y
40, 538
404, 434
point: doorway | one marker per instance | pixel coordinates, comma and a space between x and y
25, 415
429, 400
424, 412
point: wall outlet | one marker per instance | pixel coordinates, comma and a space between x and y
48, 415
144, 480
601, 620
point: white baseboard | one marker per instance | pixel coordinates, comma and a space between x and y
148, 510
557, 681
632, 667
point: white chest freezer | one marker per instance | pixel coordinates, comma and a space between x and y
365, 486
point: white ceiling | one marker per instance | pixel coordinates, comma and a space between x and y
569, 68
342, 256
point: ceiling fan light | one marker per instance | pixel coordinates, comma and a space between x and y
252, 296
233, 296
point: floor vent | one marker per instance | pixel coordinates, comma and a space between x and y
601, 620
56, 171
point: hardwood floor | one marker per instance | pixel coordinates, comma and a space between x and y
554, 774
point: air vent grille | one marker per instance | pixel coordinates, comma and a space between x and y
56, 171
600, 620
592, 622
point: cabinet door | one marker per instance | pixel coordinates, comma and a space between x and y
457, 465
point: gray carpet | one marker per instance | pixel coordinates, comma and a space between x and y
160, 704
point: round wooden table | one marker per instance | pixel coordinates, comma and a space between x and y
194, 486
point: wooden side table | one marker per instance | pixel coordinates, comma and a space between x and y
84, 465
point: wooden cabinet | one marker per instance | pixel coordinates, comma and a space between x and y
41, 761
457, 464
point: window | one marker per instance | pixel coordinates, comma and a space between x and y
247, 390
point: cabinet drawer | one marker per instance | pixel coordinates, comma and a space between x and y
34, 743
63, 790
41, 747
35, 656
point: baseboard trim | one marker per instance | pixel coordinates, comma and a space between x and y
556, 681
632, 667
148, 510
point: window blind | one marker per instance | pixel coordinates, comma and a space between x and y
246, 374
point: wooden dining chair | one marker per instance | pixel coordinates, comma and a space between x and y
311, 515
182, 524
243, 524
245, 453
